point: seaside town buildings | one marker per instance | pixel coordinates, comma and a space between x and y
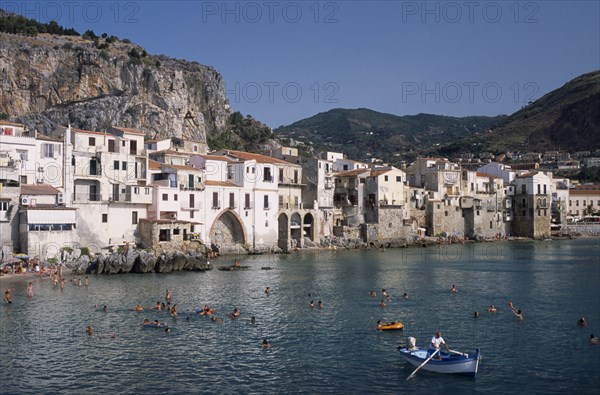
114, 188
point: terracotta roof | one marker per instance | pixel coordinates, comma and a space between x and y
250, 156
129, 130
584, 191
170, 152
87, 131
7, 123
43, 137
351, 173
220, 184
39, 189
218, 157
153, 165
377, 173
588, 187
480, 174
182, 167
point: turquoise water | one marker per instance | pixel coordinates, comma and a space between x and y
44, 348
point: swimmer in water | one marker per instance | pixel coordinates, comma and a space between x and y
593, 340
491, 309
320, 304
516, 311
8, 296
236, 313
581, 323
265, 344
382, 304
476, 314
454, 289
89, 330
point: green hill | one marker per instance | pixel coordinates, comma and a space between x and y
363, 133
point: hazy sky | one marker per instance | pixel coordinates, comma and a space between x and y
286, 60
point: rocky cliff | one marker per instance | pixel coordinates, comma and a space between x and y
94, 84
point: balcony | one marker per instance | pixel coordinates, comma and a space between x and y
87, 197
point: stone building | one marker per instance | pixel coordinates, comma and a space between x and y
532, 205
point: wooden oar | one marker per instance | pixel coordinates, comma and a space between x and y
423, 364
458, 352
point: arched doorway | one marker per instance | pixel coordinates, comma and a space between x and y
308, 227
296, 230
283, 232
227, 230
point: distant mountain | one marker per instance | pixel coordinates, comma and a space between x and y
363, 133
567, 118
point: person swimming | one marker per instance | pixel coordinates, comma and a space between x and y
476, 314
454, 289
236, 313
138, 307
320, 304
405, 296
266, 344
516, 311
491, 309
593, 340
253, 320
581, 322
382, 303
89, 330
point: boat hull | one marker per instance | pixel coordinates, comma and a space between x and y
449, 364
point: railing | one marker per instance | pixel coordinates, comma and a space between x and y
87, 197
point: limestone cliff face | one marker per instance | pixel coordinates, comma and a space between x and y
49, 80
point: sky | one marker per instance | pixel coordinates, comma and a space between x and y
283, 61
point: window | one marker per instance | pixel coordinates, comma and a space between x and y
123, 143
164, 235
111, 146
192, 200
577, 203
175, 197
136, 191
268, 177
23, 154
280, 175
4, 205
295, 176
133, 147
104, 218
195, 148
147, 191
539, 188
165, 197
385, 178
92, 141
116, 165
491, 225
176, 231
231, 200
266, 202
123, 165
523, 188
191, 214
215, 200
398, 178
247, 201
545, 189
134, 217
362, 180
190, 180
47, 150
345, 167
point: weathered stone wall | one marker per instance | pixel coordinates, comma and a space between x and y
444, 219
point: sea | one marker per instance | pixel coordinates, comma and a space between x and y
44, 348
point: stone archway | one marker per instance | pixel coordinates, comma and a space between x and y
308, 227
283, 232
227, 230
296, 230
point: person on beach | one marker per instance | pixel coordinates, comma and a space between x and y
437, 341
30, 290
60, 268
86, 282
491, 309
516, 311
581, 323
265, 344
454, 289
8, 296
62, 283
593, 340
168, 296
55, 280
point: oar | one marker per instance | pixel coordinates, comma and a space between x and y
458, 352
423, 364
